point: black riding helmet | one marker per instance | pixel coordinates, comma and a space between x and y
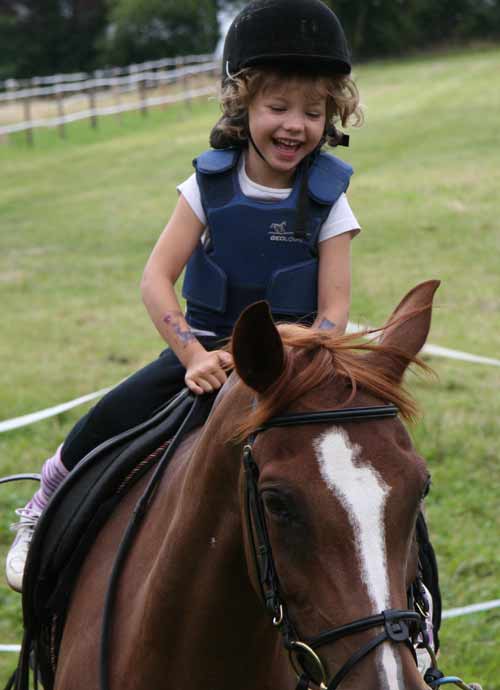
298, 33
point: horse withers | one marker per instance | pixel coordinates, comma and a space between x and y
271, 525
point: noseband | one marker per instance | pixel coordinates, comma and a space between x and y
305, 661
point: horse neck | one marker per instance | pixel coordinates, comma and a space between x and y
201, 576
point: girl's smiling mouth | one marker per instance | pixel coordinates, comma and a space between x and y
287, 149
287, 144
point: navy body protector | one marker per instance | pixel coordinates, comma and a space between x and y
252, 252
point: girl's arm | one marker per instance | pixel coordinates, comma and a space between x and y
334, 283
205, 371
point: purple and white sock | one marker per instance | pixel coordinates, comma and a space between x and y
53, 473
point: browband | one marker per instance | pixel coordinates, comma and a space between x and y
348, 414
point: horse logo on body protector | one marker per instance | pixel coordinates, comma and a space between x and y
278, 233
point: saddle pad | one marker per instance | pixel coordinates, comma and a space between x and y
83, 502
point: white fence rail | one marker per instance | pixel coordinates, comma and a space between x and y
110, 110
108, 92
125, 82
110, 71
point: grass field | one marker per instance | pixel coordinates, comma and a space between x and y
79, 218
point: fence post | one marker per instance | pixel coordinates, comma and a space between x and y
185, 82
91, 93
60, 108
27, 115
141, 85
116, 90
163, 85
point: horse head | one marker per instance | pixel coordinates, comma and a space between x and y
329, 505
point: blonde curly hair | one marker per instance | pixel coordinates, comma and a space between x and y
237, 92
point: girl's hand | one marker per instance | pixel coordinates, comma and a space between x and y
206, 371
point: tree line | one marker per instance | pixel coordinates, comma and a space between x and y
39, 37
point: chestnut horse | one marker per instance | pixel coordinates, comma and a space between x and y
337, 499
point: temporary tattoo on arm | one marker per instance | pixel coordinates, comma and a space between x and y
326, 325
173, 319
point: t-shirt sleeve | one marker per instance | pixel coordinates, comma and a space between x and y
340, 219
191, 192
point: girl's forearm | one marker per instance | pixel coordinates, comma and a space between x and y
164, 309
332, 320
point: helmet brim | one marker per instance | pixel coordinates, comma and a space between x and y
316, 64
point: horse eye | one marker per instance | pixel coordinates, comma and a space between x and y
427, 488
277, 505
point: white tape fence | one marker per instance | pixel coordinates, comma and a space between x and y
450, 613
25, 420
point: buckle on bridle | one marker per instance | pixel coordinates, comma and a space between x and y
305, 660
397, 629
278, 617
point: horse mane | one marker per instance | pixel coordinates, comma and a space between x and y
314, 357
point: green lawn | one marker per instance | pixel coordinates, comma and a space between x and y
79, 218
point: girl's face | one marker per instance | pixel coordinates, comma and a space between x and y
287, 121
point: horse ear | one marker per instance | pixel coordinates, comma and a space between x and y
407, 329
258, 351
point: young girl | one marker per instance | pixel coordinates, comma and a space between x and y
264, 217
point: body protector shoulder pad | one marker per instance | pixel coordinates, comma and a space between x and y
328, 176
216, 161
250, 251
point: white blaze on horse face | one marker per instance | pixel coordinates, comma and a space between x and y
362, 492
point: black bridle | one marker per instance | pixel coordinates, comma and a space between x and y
307, 664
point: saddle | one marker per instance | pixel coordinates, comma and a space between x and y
74, 516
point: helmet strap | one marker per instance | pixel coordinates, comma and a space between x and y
250, 139
300, 231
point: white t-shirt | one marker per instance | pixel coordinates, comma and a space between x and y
340, 219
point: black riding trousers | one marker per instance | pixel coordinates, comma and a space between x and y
128, 404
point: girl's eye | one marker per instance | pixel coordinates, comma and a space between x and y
277, 108
314, 116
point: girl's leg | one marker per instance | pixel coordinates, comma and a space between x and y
130, 403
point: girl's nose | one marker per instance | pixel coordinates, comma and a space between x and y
294, 122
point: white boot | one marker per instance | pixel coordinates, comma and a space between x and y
53, 473
18, 552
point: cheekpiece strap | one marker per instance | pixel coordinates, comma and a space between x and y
257, 529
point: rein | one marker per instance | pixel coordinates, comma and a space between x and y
139, 513
306, 663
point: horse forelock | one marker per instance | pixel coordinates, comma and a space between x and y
316, 358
